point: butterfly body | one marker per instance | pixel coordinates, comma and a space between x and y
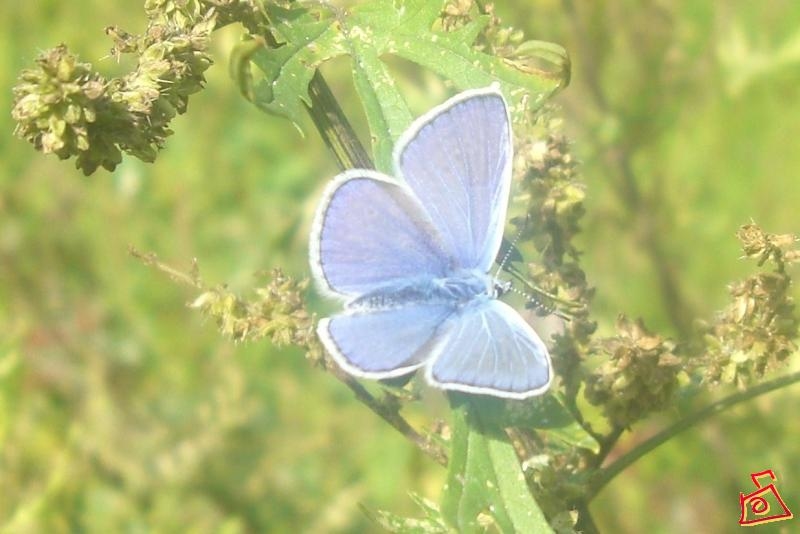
409, 257
455, 290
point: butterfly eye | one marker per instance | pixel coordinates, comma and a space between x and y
501, 287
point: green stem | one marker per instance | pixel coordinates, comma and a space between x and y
585, 524
607, 444
334, 128
340, 138
391, 416
607, 475
151, 260
385, 411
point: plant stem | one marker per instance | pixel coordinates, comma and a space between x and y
606, 445
334, 128
391, 416
340, 138
585, 524
606, 475
151, 260
331, 122
384, 411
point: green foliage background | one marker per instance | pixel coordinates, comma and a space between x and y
121, 408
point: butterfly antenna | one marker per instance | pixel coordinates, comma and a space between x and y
530, 298
538, 298
511, 246
538, 305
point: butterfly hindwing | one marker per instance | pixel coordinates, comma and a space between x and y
383, 343
488, 348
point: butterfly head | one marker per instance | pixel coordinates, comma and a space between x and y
500, 288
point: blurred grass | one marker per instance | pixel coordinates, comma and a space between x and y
120, 409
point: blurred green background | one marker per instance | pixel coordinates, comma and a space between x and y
122, 410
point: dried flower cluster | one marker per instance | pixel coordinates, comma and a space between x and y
639, 374
57, 107
550, 478
755, 334
63, 107
554, 196
278, 313
555, 201
551, 194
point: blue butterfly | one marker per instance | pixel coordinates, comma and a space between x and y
410, 256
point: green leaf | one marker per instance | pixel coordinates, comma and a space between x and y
432, 523
549, 415
485, 483
306, 40
386, 110
572, 436
542, 412
408, 29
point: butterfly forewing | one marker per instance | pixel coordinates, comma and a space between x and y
370, 231
457, 160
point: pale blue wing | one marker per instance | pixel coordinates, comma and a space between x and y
386, 343
370, 231
457, 160
488, 348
